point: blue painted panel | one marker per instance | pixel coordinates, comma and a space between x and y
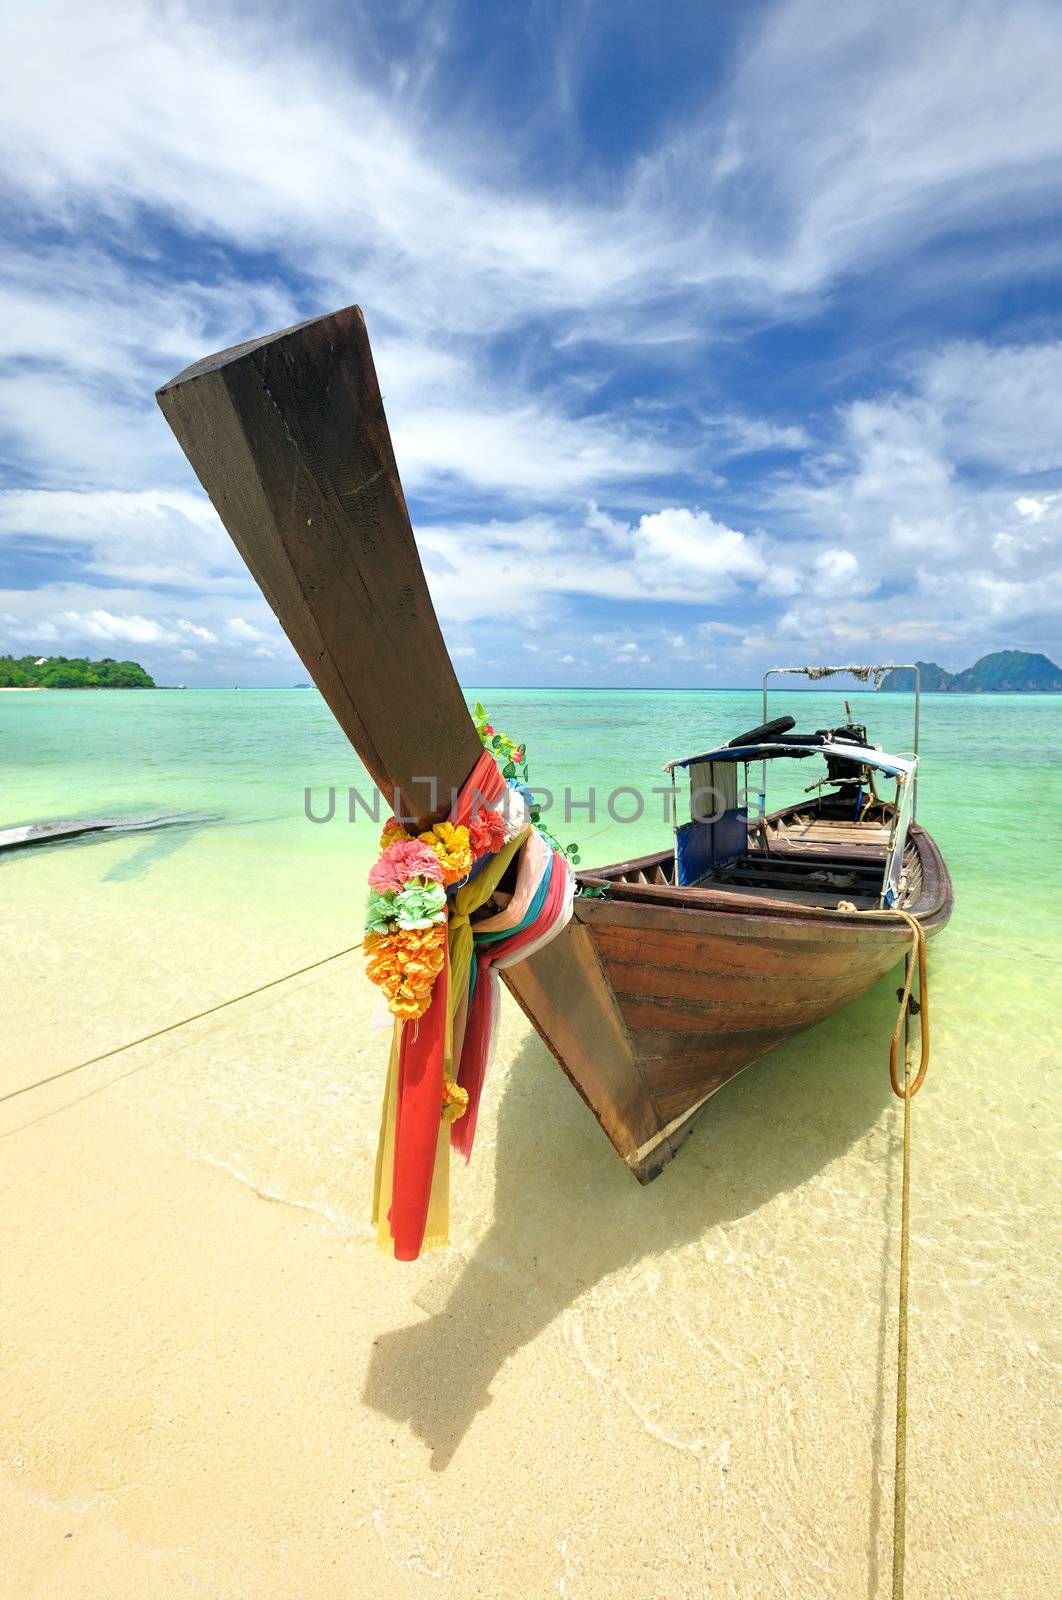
693, 841
704, 845
731, 836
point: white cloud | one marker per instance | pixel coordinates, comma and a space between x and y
809, 163
677, 554
151, 536
918, 497
836, 567
68, 619
332, 173
678, 544
1028, 505
105, 625
871, 130
240, 629
1000, 406
744, 436
196, 631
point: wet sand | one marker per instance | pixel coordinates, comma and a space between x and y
214, 1385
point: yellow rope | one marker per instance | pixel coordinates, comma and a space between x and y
907, 1093
171, 1027
916, 958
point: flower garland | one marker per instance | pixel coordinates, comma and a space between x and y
405, 919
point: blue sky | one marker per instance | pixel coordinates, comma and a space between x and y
708, 342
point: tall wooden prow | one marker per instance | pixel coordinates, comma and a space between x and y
288, 437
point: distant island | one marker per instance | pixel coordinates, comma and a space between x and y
1005, 672
71, 672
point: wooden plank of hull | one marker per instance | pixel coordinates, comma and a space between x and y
711, 957
288, 437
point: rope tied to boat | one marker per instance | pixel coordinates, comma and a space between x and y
917, 958
172, 1027
906, 1092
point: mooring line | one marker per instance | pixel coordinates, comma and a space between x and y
172, 1027
917, 958
899, 1535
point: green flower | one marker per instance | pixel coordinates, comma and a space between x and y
418, 905
380, 912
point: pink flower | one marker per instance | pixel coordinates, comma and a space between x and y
487, 728
518, 756
405, 859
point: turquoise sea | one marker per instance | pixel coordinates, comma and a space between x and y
989, 789
718, 1343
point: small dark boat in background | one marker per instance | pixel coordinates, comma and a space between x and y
677, 969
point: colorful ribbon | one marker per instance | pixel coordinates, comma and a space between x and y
549, 910
411, 1200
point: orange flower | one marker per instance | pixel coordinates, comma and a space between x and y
455, 1100
405, 966
453, 848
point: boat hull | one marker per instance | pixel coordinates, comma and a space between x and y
653, 1000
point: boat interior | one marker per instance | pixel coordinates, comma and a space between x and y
793, 856
847, 847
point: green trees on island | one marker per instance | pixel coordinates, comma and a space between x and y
71, 672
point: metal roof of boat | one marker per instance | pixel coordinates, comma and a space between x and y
894, 766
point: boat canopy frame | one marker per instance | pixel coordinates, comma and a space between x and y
864, 674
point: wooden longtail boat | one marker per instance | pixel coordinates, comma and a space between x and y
684, 966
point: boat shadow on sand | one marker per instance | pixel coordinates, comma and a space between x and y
568, 1214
